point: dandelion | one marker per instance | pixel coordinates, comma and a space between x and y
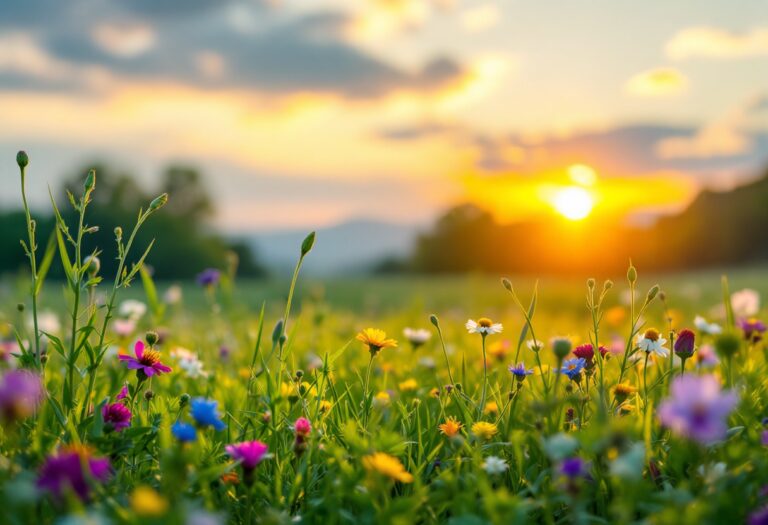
206, 413
519, 372
572, 368
388, 466
21, 392
146, 502
146, 362
484, 430
499, 350
697, 409
491, 408
116, 416
208, 278
184, 432
381, 399
325, 406
409, 385
376, 340
450, 427
753, 329
651, 342
483, 326
71, 469
417, 336
248, 453
495, 465
622, 391
705, 327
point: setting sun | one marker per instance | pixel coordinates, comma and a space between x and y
573, 203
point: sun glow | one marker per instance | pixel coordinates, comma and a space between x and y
573, 203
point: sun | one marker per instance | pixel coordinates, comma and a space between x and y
573, 203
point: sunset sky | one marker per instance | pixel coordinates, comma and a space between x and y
304, 113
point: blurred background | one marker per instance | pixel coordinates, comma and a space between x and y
416, 136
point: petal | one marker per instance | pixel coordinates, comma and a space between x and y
149, 371
134, 365
160, 367
138, 348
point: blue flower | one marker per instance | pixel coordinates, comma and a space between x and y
519, 371
184, 432
206, 413
573, 367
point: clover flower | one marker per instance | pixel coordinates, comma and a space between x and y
697, 409
116, 416
206, 413
495, 465
587, 352
652, 342
21, 392
72, 468
147, 361
302, 428
376, 340
483, 326
387, 466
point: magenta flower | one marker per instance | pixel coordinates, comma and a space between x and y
302, 427
697, 409
685, 344
753, 329
249, 453
21, 392
66, 471
116, 416
587, 352
147, 361
123, 393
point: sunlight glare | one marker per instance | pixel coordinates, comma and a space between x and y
573, 203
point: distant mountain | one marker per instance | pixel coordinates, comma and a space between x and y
353, 246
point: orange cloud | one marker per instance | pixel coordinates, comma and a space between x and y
712, 42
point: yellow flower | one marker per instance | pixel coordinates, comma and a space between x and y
307, 389
499, 350
484, 430
622, 391
287, 390
381, 399
450, 428
387, 466
376, 340
409, 385
491, 407
145, 501
325, 406
434, 392
244, 373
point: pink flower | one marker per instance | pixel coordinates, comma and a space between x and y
249, 453
116, 416
302, 427
146, 361
72, 468
123, 393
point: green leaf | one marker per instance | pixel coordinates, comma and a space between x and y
156, 306
58, 411
97, 428
45, 264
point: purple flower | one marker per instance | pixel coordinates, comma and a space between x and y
249, 453
519, 371
685, 344
146, 361
758, 517
573, 468
21, 392
764, 438
697, 409
116, 416
209, 277
123, 393
66, 471
753, 329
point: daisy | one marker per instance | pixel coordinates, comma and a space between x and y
495, 465
417, 336
534, 345
652, 342
483, 326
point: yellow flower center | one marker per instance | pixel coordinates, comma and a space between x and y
651, 334
150, 357
484, 322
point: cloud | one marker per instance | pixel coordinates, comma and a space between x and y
379, 19
712, 42
657, 82
480, 18
124, 40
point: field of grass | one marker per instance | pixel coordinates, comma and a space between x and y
565, 401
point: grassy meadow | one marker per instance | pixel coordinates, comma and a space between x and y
462, 400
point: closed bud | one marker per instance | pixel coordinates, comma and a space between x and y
92, 229
148, 395
685, 343
434, 321
93, 264
561, 347
631, 274
20, 307
506, 283
727, 344
184, 400
90, 181
591, 283
306, 246
277, 332
158, 202
22, 159
151, 338
652, 293
118, 232
607, 285
299, 374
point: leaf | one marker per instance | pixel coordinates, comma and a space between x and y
155, 305
45, 264
57, 410
97, 429
128, 278
68, 270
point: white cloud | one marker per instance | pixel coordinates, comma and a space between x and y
657, 82
124, 40
712, 42
480, 18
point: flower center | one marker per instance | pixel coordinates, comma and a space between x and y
150, 357
484, 322
651, 335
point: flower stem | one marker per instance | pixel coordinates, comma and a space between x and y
485, 379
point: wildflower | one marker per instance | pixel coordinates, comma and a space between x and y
573, 367
417, 336
184, 432
434, 392
116, 416
587, 352
21, 392
573, 468
209, 277
189, 363
124, 327
706, 356
450, 427
325, 406
652, 342
534, 345
409, 385
47, 322
697, 409
495, 465
499, 350
230, 478
123, 393
71, 469
173, 294
376, 340
206, 413
132, 309
302, 427
147, 361
483, 326
146, 502
519, 372
248, 453
561, 346
685, 344
381, 399
387, 466
491, 408
758, 517
753, 329
484, 430
705, 327
745, 303
622, 391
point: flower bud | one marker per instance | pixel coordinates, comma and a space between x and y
20, 307
22, 159
607, 285
434, 321
93, 264
184, 400
306, 246
631, 274
158, 202
148, 395
727, 344
652, 293
591, 283
118, 233
685, 343
277, 332
299, 374
561, 346
506, 283
151, 338
90, 181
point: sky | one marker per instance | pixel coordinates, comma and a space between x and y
308, 113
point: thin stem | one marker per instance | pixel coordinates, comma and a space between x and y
365, 391
32, 248
485, 378
445, 354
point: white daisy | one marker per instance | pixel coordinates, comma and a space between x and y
536, 346
495, 465
132, 309
189, 362
417, 336
705, 327
652, 342
483, 326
